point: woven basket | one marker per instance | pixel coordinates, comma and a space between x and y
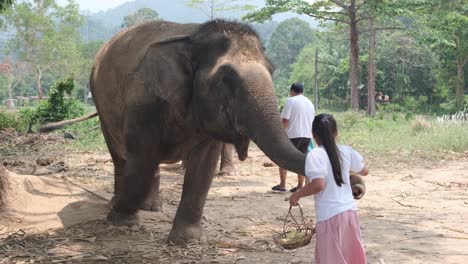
306, 233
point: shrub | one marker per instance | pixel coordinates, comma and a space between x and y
27, 116
57, 107
10, 120
420, 124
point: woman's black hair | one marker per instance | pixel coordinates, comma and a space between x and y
324, 127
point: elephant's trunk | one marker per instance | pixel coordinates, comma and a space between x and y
263, 123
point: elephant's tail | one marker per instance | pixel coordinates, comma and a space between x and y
52, 126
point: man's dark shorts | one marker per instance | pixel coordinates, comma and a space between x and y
301, 144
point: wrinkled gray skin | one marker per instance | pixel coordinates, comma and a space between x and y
166, 92
226, 166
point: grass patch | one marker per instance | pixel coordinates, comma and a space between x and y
11, 119
88, 136
387, 136
396, 136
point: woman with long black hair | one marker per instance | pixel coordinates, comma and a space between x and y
327, 167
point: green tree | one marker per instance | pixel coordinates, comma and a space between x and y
5, 4
142, 15
265, 30
216, 8
286, 42
57, 107
88, 53
13, 73
350, 13
46, 36
332, 67
407, 70
447, 30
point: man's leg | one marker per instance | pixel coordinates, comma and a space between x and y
282, 186
227, 160
302, 144
283, 173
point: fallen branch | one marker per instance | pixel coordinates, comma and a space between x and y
53, 126
405, 205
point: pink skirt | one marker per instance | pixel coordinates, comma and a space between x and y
339, 240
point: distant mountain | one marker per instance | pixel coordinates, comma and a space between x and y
171, 10
104, 24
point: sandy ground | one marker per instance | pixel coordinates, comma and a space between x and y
56, 214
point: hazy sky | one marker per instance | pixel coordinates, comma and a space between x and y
100, 5
97, 5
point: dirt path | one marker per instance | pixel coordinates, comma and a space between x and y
408, 216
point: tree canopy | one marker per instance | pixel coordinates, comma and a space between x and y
286, 42
140, 16
218, 8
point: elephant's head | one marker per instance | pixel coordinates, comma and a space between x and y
233, 96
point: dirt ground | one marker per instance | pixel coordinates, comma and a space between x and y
58, 201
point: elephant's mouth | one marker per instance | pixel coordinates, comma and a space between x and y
242, 147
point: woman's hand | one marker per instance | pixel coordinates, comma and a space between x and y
294, 199
313, 187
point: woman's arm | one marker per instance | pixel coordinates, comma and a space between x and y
315, 186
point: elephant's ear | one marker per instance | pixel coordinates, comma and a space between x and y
163, 71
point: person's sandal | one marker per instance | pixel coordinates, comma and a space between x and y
293, 189
277, 188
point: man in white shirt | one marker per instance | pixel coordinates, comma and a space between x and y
297, 116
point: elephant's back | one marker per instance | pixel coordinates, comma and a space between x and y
121, 54
115, 62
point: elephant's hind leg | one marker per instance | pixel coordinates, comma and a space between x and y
200, 169
142, 160
153, 202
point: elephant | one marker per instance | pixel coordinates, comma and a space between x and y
167, 92
226, 166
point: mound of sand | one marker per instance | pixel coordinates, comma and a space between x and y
4, 186
40, 203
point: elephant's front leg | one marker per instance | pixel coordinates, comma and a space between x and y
200, 168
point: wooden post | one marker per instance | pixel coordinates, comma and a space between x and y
371, 71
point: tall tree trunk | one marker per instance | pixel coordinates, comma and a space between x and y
38, 83
316, 80
11, 103
10, 80
371, 71
460, 92
354, 57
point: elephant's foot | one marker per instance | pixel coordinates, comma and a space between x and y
122, 219
358, 191
227, 171
153, 203
186, 234
112, 201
